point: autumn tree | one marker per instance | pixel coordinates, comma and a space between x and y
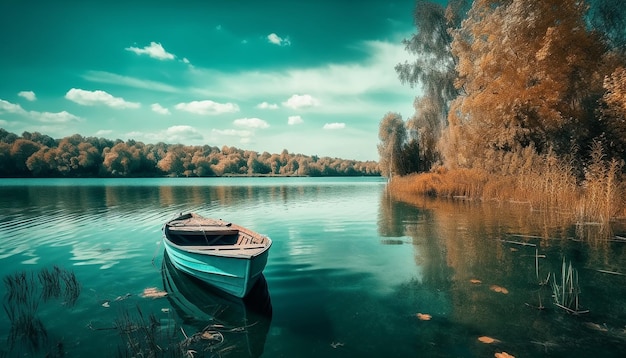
527, 75
392, 136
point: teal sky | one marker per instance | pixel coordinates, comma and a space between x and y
311, 77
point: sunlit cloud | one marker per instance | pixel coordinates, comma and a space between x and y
331, 126
182, 133
112, 78
29, 95
255, 123
104, 132
266, 105
154, 50
45, 117
93, 98
233, 133
367, 87
277, 40
293, 120
207, 107
301, 101
159, 109
176, 134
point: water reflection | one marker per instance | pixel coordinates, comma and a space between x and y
244, 323
484, 268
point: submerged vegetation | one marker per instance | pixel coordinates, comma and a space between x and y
522, 101
26, 291
38, 155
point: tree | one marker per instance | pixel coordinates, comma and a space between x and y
434, 70
528, 73
392, 135
21, 149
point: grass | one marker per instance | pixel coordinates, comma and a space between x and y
544, 183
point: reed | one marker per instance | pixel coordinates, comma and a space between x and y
25, 293
546, 183
566, 294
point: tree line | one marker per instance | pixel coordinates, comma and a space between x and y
503, 81
39, 155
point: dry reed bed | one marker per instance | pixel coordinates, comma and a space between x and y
551, 187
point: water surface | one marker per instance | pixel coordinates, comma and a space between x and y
349, 271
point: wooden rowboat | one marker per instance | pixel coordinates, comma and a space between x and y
222, 254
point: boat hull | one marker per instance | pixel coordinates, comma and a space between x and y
233, 274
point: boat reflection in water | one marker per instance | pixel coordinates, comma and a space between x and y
242, 324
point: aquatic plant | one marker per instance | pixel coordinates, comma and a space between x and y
566, 295
25, 292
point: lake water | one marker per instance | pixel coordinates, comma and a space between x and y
351, 273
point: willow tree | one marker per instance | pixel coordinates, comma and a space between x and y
528, 76
392, 135
433, 70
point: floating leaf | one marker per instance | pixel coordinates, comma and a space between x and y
475, 281
336, 344
499, 289
165, 310
423, 316
487, 340
503, 355
209, 335
153, 292
106, 304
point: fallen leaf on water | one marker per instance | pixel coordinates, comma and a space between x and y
165, 310
153, 292
597, 327
208, 335
423, 316
475, 281
487, 340
504, 355
499, 289
513, 249
106, 304
336, 344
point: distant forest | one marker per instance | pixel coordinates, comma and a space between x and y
39, 155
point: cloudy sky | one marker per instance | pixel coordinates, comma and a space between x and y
312, 77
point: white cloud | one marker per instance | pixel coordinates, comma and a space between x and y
107, 77
29, 95
59, 117
92, 98
255, 123
159, 109
293, 120
182, 134
176, 134
266, 105
301, 101
335, 125
155, 50
45, 117
277, 40
207, 107
104, 132
233, 133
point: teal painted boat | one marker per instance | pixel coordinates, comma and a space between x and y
226, 256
